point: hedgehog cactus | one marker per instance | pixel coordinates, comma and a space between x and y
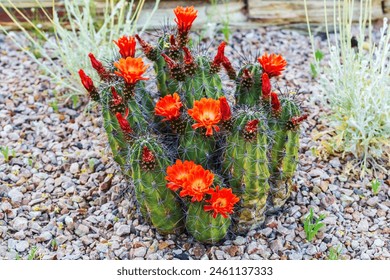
246, 166
198, 157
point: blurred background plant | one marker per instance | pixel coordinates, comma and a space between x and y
355, 85
217, 20
334, 253
75, 33
7, 153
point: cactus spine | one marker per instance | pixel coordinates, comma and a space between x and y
203, 226
247, 165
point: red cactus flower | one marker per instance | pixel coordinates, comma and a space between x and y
142, 42
275, 103
172, 40
226, 114
168, 107
222, 202
131, 69
251, 126
178, 173
171, 63
246, 74
149, 51
298, 120
86, 81
116, 98
218, 59
188, 59
207, 114
229, 68
247, 79
197, 184
148, 160
123, 122
174, 50
147, 155
185, 17
265, 86
190, 65
126, 46
272, 64
98, 66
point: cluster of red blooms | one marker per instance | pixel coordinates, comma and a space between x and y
272, 65
194, 181
128, 67
207, 112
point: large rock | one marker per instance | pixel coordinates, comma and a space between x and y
20, 223
15, 195
82, 230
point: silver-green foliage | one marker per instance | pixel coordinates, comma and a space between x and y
76, 34
355, 85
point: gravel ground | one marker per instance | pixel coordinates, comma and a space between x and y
61, 192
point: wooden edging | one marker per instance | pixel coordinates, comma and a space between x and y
241, 13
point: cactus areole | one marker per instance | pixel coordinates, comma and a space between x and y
198, 158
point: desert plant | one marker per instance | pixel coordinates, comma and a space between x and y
375, 186
32, 255
318, 56
7, 153
312, 225
76, 34
334, 253
355, 86
195, 159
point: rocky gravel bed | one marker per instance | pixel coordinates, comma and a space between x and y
62, 195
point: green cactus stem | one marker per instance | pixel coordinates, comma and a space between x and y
116, 137
195, 146
145, 100
136, 118
284, 152
164, 84
158, 203
203, 227
290, 160
283, 183
161, 76
203, 83
278, 127
248, 89
246, 166
279, 139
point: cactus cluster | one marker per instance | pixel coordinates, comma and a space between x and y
199, 159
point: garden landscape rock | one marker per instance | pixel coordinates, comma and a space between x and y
62, 193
